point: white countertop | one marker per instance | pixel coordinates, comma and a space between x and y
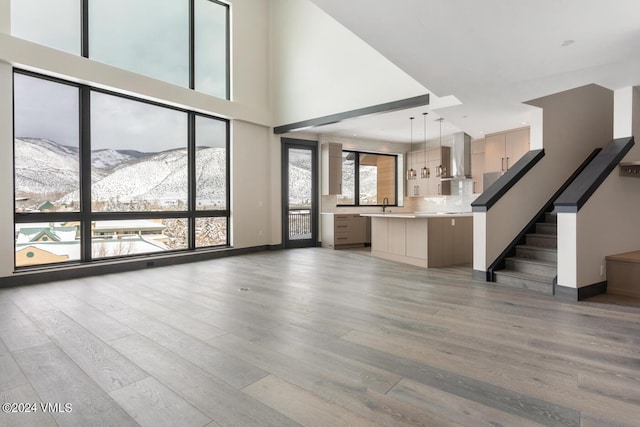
416, 214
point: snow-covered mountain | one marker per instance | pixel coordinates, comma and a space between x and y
165, 178
107, 159
48, 171
44, 167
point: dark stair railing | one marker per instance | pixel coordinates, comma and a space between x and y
520, 239
576, 195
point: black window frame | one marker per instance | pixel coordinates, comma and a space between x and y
356, 193
85, 43
86, 216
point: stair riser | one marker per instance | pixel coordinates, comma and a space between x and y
533, 253
543, 242
527, 267
518, 282
544, 228
550, 218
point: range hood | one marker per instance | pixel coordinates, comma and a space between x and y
461, 155
460, 165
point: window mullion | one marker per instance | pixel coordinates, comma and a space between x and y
85, 172
356, 179
191, 177
84, 28
192, 47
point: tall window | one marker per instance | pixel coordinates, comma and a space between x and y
368, 179
183, 42
99, 175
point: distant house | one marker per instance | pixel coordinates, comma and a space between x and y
30, 233
37, 244
34, 255
46, 206
149, 229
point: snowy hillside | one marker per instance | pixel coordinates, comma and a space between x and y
108, 159
44, 167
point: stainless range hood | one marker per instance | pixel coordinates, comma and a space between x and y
461, 182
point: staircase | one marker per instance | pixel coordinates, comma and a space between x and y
535, 264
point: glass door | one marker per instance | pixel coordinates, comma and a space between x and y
299, 193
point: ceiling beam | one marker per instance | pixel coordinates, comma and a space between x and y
402, 104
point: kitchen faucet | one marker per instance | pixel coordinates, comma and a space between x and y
385, 203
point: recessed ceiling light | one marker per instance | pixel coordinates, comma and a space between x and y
524, 123
567, 43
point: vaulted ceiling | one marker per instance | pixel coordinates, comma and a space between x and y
493, 55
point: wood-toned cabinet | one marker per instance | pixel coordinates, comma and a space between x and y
344, 230
502, 150
424, 242
477, 165
431, 186
331, 168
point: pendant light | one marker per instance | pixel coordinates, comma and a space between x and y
425, 172
441, 170
411, 173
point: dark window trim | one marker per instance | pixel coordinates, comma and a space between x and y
356, 191
85, 216
85, 42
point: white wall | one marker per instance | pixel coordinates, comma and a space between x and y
251, 203
321, 68
7, 233
254, 148
609, 222
575, 123
250, 55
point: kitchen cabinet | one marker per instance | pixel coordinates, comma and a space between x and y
331, 168
431, 186
344, 230
426, 241
504, 149
477, 165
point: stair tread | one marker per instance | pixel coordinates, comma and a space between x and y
555, 236
533, 277
538, 248
533, 261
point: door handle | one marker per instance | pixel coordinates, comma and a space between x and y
507, 163
502, 164
439, 189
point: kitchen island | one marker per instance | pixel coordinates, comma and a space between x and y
423, 239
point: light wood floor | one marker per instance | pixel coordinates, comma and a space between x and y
313, 337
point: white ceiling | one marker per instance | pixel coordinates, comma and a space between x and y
491, 55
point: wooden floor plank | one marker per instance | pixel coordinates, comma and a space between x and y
10, 374
342, 391
302, 406
91, 319
219, 401
464, 411
152, 404
528, 407
56, 379
228, 368
36, 417
17, 331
